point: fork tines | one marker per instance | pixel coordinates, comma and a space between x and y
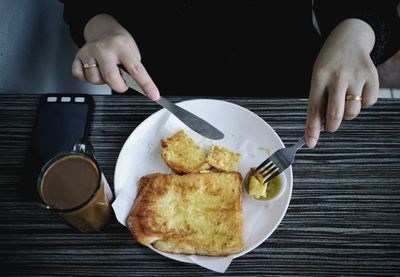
268, 170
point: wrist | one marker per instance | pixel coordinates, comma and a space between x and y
354, 32
102, 25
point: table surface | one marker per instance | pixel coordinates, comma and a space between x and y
343, 218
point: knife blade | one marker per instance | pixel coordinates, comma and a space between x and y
194, 122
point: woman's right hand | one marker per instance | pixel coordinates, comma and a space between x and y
108, 45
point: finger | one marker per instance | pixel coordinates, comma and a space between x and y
315, 112
77, 70
370, 92
352, 107
136, 69
335, 106
110, 74
92, 74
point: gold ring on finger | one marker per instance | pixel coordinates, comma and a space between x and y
350, 97
89, 65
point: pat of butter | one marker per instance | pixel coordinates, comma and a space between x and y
256, 188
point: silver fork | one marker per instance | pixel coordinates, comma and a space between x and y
279, 161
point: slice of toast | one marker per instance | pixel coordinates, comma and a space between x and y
223, 159
183, 155
197, 213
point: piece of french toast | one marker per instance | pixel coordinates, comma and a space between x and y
223, 159
198, 213
183, 155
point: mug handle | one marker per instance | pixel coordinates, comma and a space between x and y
84, 147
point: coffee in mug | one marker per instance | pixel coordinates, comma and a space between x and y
72, 185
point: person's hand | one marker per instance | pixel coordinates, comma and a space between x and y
108, 45
343, 67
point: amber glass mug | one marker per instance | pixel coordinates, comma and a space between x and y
73, 186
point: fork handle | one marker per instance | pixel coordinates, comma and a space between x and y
293, 149
302, 141
298, 144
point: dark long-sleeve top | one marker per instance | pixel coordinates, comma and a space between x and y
223, 47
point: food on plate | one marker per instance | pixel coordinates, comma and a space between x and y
183, 155
223, 159
257, 189
198, 213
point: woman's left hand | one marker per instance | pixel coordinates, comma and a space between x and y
342, 69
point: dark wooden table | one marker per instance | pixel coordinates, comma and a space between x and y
343, 218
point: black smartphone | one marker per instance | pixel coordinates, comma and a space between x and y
61, 121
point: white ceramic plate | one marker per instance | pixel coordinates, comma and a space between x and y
244, 131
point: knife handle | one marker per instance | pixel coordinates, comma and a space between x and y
132, 84
130, 81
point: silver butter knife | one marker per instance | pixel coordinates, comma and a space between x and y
194, 122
